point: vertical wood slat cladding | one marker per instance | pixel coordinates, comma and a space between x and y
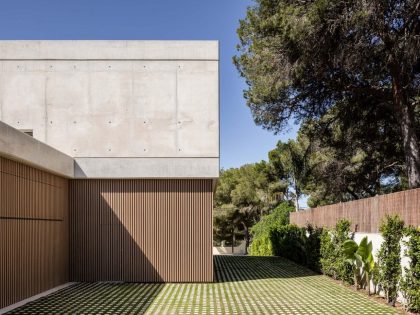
366, 213
141, 230
33, 231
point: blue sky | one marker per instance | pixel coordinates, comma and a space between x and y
241, 140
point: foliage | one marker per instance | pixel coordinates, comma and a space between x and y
288, 241
352, 161
262, 246
349, 67
226, 227
411, 281
375, 277
291, 160
313, 247
243, 195
278, 217
261, 242
389, 260
361, 258
333, 262
327, 252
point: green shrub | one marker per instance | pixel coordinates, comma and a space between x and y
292, 242
288, 241
411, 282
360, 257
278, 217
333, 262
375, 277
327, 254
261, 246
261, 232
313, 248
389, 260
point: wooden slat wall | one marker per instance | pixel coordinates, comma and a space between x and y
141, 230
33, 231
366, 213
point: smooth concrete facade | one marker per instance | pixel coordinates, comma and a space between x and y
117, 99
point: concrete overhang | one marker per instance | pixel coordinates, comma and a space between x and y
18, 146
108, 50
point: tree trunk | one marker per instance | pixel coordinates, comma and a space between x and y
233, 241
405, 114
296, 194
246, 232
356, 283
368, 283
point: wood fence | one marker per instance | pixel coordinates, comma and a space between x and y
365, 214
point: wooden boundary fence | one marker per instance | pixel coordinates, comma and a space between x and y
366, 214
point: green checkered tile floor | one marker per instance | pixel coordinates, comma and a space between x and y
243, 285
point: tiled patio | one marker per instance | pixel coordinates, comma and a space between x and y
243, 285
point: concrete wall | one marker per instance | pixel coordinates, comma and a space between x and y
115, 99
20, 147
227, 250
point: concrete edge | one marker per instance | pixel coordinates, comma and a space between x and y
34, 297
109, 49
16, 145
126, 167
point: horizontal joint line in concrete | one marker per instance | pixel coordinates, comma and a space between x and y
146, 157
103, 59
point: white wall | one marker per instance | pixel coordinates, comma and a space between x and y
377, 240
227, 250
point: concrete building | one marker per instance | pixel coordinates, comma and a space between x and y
114, 178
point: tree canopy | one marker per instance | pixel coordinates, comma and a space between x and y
348, 69
243, 195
